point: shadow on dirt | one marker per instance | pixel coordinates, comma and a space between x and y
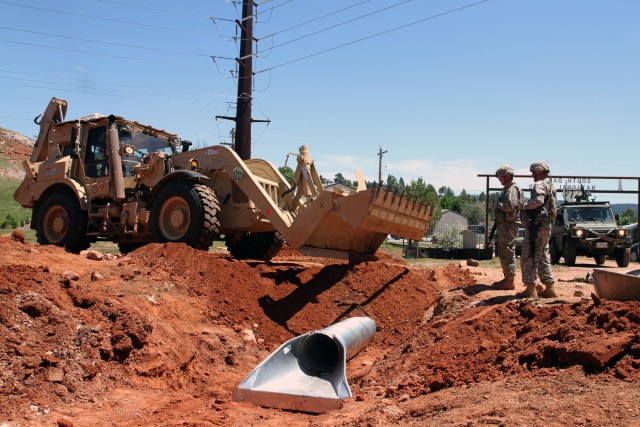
282, 310
373, 296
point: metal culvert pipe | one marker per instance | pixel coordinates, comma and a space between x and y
320, 352
308, 373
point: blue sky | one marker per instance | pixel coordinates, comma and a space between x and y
448, 97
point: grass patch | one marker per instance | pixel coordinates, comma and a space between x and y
395, 249
8, 206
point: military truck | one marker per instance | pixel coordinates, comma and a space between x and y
589, 229
109, 178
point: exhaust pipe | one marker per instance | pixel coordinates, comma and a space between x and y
308, 373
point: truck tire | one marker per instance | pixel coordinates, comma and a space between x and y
600, 259
185, 212
569, 255
555, 253
61, 222
263, 246
623, 257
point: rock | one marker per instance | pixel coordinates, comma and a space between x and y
390, 391
54, 375
473, 263
94, 255
64, 422
404, 398
95, 276
248, 336
578, 294
71, 275
18, 236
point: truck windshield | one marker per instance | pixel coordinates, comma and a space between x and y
590, 214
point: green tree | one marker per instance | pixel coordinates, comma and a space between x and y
628, 217
401, 185
447, 201
9, 222
339, 179
392, 183
287, 171
474, 213
444, 190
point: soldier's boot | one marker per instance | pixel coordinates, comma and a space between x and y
506, 284
549, 291
530, 292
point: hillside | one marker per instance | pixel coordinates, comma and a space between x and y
14, 149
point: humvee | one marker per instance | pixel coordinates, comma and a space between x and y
588, 229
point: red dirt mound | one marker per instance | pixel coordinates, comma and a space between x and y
163, 335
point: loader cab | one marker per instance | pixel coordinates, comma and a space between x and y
96, 163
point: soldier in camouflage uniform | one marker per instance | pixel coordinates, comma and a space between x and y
507, 217
538, 215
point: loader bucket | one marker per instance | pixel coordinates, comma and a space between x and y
356, 222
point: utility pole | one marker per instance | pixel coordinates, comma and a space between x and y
242, 138
380, 153
245, 77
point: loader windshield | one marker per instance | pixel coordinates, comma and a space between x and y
145, 143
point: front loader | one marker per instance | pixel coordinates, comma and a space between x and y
105, 177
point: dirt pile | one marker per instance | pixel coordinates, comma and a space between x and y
163, 335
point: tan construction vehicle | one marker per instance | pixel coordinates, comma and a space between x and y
113, 179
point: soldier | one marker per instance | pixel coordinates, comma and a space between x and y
507, 217
540, 213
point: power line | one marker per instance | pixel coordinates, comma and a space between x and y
111, 43
120, 21
276, 6
316, 19
111, 84
15, 118
342, 23
110, 94
175, 12
110, 55
373, 36
112, 88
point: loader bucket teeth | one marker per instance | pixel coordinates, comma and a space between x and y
357, 223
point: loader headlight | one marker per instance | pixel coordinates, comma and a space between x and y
578, 232
194, 164
621, 232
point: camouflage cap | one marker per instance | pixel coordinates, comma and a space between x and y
504, 170
540, 165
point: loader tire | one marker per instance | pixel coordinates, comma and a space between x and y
263, 246
185, 212
61, 222
126, 247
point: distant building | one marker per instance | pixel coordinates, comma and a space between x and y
339, 188
451, 219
